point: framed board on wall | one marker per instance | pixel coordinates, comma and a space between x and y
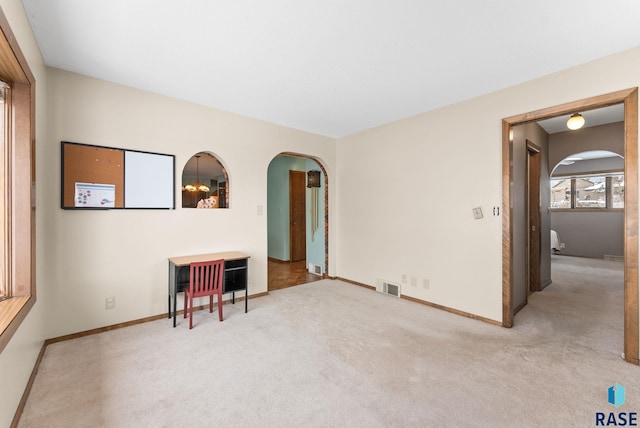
98, 177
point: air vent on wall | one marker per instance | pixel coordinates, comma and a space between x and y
389, 288
315, 269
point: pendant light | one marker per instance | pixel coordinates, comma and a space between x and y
197, 186
576, 121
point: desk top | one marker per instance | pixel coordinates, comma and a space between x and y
228, 255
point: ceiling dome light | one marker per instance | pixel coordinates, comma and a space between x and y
576, 121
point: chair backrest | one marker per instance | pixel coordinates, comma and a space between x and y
205, 278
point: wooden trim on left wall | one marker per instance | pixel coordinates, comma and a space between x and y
15, 70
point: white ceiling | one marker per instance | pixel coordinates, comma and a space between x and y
333, 67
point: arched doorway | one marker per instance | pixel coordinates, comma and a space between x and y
297, 220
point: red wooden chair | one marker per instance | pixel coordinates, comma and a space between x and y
205, 279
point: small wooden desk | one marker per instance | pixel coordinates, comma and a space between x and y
236, 266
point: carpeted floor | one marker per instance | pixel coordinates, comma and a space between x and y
332, 354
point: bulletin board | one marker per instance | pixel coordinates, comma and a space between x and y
98, 177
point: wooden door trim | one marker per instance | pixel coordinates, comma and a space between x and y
630, 99
533, 151
532, 147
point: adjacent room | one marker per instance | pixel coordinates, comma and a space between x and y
402, 224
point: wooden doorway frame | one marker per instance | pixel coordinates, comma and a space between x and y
534, 217
630, 99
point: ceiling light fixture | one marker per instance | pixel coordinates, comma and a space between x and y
576, 121
197, 186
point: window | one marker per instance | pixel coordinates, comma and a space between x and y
588, 191
617, 191
17, 184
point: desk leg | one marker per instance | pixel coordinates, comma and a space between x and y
246, 299
175, 303
233, 297
169, 307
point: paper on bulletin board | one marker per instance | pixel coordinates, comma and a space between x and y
95, 195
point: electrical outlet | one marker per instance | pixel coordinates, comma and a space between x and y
404, 278
425, 284
109, 302
562, 245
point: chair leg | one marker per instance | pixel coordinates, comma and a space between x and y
220, 307
210, 303
185, 304
190, 312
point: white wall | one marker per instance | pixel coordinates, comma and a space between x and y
92, 255
19, 356
440, 165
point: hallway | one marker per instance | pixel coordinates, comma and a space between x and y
582, 310
283, 274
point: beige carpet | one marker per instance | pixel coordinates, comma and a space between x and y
331, 354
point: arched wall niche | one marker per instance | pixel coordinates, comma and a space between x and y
205, 182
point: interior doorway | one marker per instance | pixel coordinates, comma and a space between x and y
297, 216
534, 205
630, 99
298, 220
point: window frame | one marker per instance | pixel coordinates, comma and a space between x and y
19, 198
5, 289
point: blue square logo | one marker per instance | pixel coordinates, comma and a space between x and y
616, 395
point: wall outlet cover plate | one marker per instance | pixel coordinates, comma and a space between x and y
477, 213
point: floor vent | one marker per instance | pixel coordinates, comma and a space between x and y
389, 288
315, 269
614, 258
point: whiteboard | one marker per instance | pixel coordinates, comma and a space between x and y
148, 180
